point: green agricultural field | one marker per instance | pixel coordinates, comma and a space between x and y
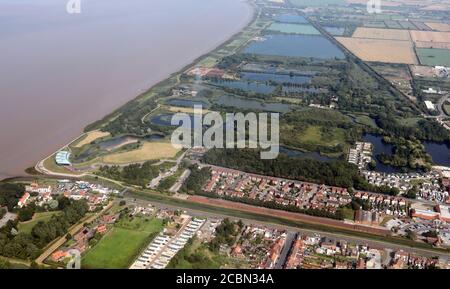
27, 226
291, 28
433, 56
119, 248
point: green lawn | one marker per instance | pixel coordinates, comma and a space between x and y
26, 227
122, 244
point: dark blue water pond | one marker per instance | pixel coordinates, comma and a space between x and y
295, 46
440, 153
185, 102
291, 18
233, 101
278, 78
246, 86
380, 147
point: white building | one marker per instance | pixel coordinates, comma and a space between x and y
430, 105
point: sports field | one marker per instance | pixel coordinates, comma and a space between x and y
389, 51
121, 245
434, 57
292, 28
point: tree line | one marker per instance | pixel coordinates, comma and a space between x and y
16, 244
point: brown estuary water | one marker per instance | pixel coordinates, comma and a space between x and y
60, 72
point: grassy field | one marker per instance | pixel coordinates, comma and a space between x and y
291, 28
366, 120
313, 135
433, 57
148, 151
26, 227
122, 244
90, 137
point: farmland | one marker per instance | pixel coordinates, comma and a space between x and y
444, 27
430, 36
388, 34
389, 51
433, 57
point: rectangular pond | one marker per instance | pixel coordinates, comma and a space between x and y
295, 46
247, 86
292, 28
238, 102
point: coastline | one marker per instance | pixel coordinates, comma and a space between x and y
185, 65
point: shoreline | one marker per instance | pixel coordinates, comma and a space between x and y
250, 17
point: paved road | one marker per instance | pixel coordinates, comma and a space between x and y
180, 181
290, 237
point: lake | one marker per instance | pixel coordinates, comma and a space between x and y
295, 46
440, 153
61, 72
380, 147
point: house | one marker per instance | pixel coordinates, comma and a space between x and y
101, 229
23, 201
59, 255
